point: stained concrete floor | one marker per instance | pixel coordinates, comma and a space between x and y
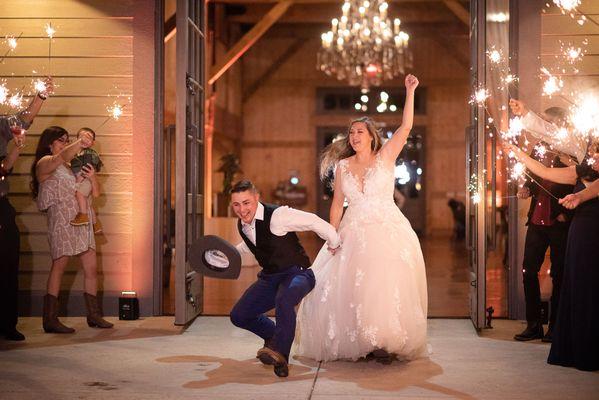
151, 359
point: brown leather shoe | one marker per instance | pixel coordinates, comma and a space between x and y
94, 316
80, 219
50, 320
269, 356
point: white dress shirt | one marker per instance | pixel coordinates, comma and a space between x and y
575, 145
284, 220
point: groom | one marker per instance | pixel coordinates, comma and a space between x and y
268, 231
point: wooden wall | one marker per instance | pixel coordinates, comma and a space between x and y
280, 119
98, 49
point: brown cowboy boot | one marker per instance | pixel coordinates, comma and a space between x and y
94, 316
51, 323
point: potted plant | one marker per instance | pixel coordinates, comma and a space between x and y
229, 167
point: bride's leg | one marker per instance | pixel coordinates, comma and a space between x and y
291, 291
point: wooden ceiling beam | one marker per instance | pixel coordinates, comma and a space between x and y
459, 11
248, 40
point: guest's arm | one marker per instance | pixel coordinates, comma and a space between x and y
394, 146
48, 164
34, 107
12, 155
565, 175
575, 199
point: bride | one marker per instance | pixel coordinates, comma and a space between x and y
370, 295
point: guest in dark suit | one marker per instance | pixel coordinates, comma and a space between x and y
548, 224
576, 329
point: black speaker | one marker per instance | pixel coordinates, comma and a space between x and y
128, 306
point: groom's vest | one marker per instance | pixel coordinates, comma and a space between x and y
275, 253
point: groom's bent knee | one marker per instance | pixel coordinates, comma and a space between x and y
238, 319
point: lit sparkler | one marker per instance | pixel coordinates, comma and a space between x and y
50, 31
115, 111
573, 54
517, 171
552, 85
495, 55
541, 150
584, 115
16, 100
12, 42
515, 128
39, 85
480, 96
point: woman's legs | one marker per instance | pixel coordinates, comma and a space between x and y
90, 271
56, 272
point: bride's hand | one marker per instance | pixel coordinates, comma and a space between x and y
333, 251
411, 82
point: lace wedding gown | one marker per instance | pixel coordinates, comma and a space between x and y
372, 293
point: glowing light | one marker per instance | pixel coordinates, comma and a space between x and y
39, 85
115, 111
358, 106
561, 134
552, 85
364, 98
12, 42
476, 198
3, 93
16, 100
495, 56
573, 54
480, 96
419, 171
514, 130
381, 107
294, 180
384, 96
50, 31
585, 115
517, 171
402, 174
393, 108
498, 17
509, 78
541, 150
567, 6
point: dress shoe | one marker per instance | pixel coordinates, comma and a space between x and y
548, 338
382, 356
14, 335
533, 331
269, 356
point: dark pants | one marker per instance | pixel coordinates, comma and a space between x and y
538, 239
281, 291
9, 266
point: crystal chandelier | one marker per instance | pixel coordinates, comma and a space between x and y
363, 46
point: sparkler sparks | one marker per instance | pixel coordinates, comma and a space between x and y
12, 42
495, 55
16, 100
584, 115
514, 129
509, 78
115, 111
573, 54
552, 85
39, 85
541, 150
567, 6
50, 31
480, 96
517, 171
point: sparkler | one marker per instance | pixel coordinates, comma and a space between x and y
585, 115
50, 31
39, 85
479, 97
12, 45
495, 56
570, 7
115, 111
16, 100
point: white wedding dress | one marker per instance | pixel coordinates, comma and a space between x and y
372, 293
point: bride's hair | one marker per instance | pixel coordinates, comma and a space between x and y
341, 148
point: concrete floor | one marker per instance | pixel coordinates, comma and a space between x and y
151, 359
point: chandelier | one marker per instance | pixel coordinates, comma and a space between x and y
364, 46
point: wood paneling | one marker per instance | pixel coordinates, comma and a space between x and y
92, 65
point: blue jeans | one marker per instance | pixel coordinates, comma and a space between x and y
281, 291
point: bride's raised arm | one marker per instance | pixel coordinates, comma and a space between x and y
393, 147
